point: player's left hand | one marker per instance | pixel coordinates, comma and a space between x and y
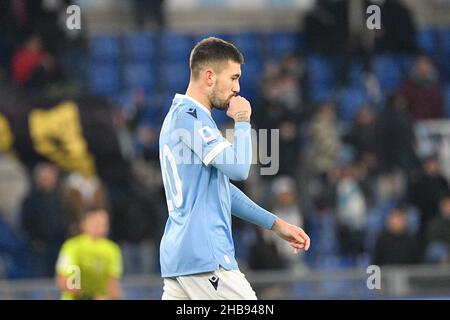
296, 236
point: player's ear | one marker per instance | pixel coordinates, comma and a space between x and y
209, 76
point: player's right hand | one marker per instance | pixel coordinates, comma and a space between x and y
239, 109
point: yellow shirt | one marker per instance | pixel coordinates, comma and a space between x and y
88, 264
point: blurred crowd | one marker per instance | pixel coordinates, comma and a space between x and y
356, 183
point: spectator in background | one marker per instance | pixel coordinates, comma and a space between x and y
150, 14
13, 251
33, 68
351, 212
422, 90
396, 138
27, 60
286, 207
325, 141
264, 253
44, 220
425, 193
362, 137
82, 192
398, 30
395, 245
282, 107
326, 27
95, 260
438, 249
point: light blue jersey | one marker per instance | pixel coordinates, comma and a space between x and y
195, 163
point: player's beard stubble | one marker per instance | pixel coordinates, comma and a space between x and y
217, 101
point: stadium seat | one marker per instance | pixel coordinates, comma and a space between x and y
176, 47
280, 43
197, 37
319, 93
141, 47
427, 41
220, 117
356, 74
105, 48
251, 45
249, 82
413, 220
321, 78
351, 99
175, 77
447, 100
388, 70
140, 76
320, 69
444, 38
104, 79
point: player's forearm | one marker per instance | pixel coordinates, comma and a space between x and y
62, 283
244, 208
114, 290
235, 161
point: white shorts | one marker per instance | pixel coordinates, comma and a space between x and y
217, 285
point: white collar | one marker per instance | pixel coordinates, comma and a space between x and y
198, 104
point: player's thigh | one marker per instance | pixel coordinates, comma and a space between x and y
234, 285
173, 290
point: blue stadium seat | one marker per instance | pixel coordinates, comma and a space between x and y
105, 48
321, 78
175, 77
351, 99
200, 36
176, 47
249, 82
141, 47
427, 41
320, 92
444, 37
413, 220
139, 75
407, 62
356, 74
104, 79
280, 43
251, 45
320, 69
447, 100
388, 70
220, 117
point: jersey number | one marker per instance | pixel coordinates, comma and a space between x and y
171, 178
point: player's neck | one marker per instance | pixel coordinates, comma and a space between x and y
199, 96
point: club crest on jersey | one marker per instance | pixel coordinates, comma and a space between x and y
207, 134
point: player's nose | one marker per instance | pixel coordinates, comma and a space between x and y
236, 88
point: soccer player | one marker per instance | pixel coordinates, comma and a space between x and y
197, 163
89, 266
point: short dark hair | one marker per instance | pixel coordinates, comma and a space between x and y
92, 210
213, 50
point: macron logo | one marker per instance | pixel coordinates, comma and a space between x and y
214, 281
192, 112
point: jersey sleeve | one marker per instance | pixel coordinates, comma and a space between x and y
115, 268
199, 132
66, 259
